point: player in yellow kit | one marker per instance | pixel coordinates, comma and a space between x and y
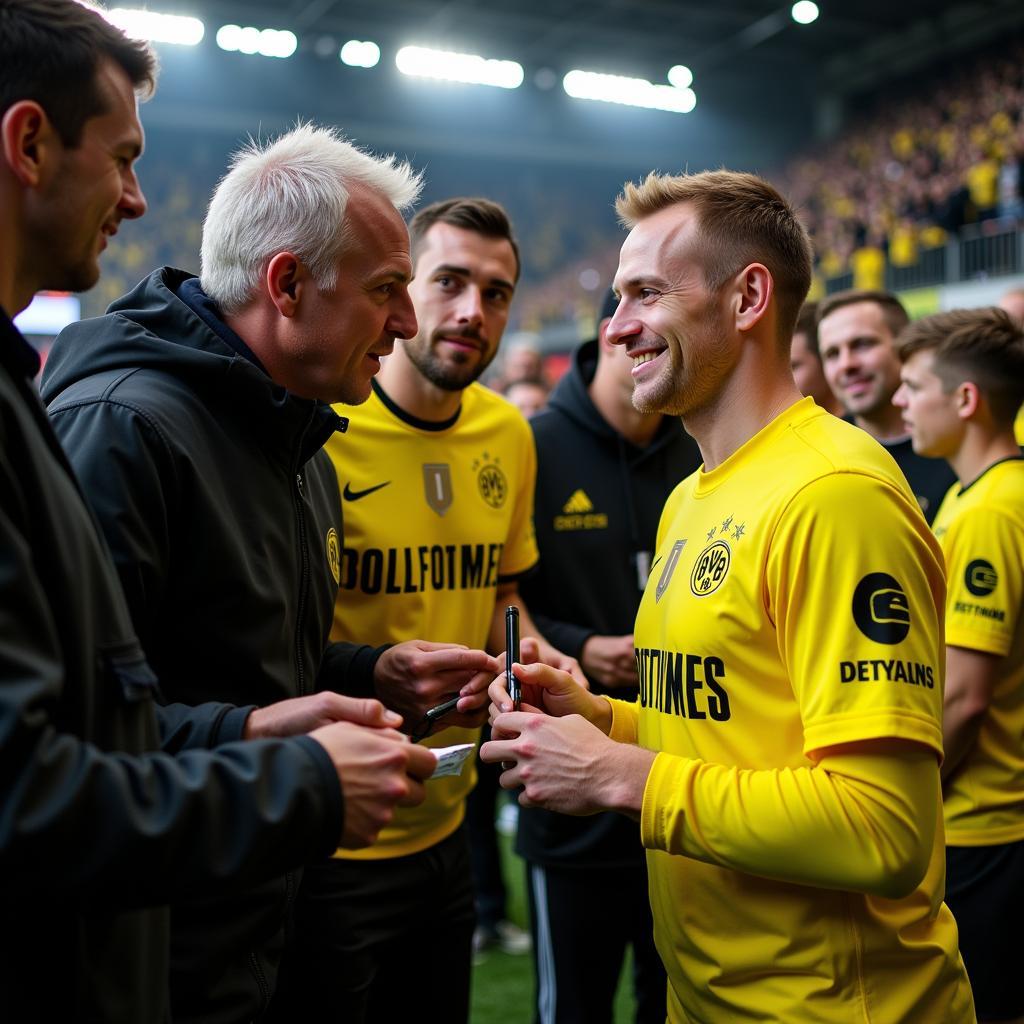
963, 380
783, 758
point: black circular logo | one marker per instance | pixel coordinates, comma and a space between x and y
981, 578
880, 609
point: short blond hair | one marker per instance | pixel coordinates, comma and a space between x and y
742, 219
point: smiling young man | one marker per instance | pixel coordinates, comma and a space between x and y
437, 475
963, 382
783, 758
856, 342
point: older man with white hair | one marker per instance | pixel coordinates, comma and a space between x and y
194, 414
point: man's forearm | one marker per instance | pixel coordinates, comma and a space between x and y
863, 822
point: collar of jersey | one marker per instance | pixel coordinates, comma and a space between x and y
754, 447
407, 417
988, 469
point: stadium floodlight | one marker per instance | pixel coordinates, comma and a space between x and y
157, 28
469, 68
359, 54
268, 42
680, 76
804, 12
633, 92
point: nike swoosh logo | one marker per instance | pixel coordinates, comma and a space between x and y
349, 495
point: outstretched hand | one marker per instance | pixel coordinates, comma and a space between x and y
417, 675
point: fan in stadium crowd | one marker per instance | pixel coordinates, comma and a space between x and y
194, 414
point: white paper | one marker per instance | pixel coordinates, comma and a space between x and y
451, 759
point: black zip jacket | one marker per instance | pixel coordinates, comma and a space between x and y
596, 512
98, 829
223, 516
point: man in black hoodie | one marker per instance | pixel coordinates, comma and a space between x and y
604, 471
99, 830
194, 414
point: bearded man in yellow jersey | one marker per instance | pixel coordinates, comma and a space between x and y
963, 381
783, 757
437, 476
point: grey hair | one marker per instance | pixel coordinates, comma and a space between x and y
290, 195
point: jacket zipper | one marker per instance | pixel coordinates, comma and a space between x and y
300, 615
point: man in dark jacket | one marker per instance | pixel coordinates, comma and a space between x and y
99, 830
194, 415
604, 471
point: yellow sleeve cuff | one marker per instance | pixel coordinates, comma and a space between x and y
625, 716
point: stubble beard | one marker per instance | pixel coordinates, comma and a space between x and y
448, 376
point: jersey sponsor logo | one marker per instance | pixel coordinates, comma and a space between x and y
710, 569
981, 578
437, 486
334, 554
670, 567
970, 608
349, 495
578, 514
413, 570
880, 608
869, 670
491, 481
687, 685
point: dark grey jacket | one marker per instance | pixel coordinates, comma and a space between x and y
98, 829
223, 516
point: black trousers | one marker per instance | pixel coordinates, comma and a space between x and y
377, 941
985, 891
582, 920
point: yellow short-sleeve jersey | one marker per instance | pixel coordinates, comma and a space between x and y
435, 516
795, 603
981, 530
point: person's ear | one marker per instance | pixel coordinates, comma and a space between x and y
968, 399
754, 288
286, 280
28, 141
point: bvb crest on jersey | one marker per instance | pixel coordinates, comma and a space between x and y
490, 480
710, 568
437, 486
334, 554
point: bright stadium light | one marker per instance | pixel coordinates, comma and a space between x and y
680, 76
804, 12
157, 28
470, 68
359, 54
633, 92
268, 42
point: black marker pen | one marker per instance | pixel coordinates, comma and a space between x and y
512, 654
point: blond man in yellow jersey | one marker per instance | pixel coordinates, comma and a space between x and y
963, 380
437, 478
783, 758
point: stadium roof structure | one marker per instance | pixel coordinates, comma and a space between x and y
647, 36
764, 85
